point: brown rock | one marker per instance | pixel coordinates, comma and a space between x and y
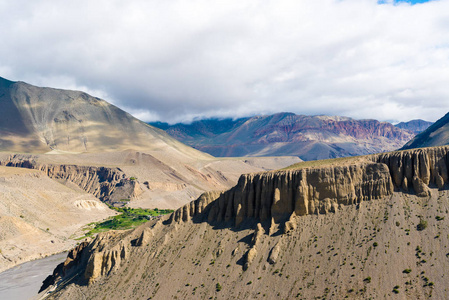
274, 254
290, 225
440, 181
421, 189
258, 233
250, 255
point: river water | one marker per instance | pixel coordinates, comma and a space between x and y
23, 281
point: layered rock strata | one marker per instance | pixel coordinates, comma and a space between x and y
297, 192
102, 182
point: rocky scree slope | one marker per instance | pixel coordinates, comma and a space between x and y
366, 227
308, 137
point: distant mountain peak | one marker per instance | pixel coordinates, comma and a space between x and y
416, 126
308, 137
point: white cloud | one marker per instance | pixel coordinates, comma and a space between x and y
177, 60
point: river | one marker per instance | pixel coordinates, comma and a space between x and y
23, 281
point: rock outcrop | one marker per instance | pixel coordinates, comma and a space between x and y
194, 208
278, 195
67, 267
419, 167
307, 191
102, 262
93, 259
107, 184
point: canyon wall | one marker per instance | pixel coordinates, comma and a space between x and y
104, 183
280, 194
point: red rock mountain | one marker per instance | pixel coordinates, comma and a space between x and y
308, 137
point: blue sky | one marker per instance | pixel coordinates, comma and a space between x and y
408, 1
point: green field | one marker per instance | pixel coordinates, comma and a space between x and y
129, 218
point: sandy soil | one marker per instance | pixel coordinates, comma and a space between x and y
39, 215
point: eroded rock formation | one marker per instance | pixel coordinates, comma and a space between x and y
307, 191
418, 167
285, 194
67, 267
107, 184
279, 198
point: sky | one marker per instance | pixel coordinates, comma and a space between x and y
178, 61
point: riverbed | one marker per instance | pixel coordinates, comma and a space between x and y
23, 281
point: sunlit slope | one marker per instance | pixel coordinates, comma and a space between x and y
35, 119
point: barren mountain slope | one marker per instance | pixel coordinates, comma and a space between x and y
38, 120
435, 135
38, 215
367, 227
308, 137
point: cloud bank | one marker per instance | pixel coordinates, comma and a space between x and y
180, 60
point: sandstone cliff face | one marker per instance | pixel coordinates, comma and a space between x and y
280, 194
99, 257
105, 256
417, 168
107, 184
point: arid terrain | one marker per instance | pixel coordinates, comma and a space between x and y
63, 151
95, 144
367, 227
308, 137
224, 150
38, 215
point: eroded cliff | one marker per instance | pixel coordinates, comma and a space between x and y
279, 194
355, 205
320, 190
109, 184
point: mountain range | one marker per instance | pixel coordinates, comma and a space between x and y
308, 137
415, 126
39, 120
